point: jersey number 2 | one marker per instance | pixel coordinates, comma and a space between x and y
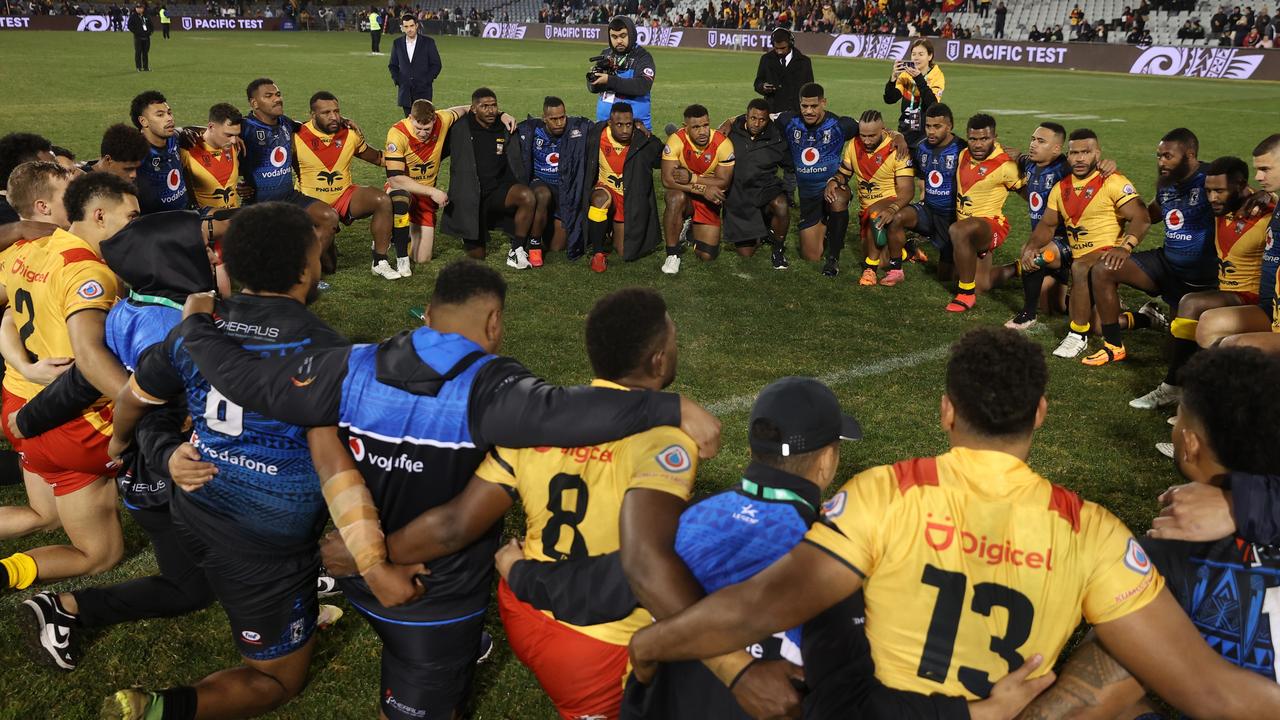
565, 519
222, 415
23, 303
935, 661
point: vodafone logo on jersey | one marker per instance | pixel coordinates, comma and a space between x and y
357, 447
279, 157
935, 179
1174, 220
174, 179
809, 156
1036, 201
553, 159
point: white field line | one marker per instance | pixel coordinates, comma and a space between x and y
839, 377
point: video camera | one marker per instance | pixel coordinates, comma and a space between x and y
602, 65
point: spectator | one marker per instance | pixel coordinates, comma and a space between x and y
1100, 32
984, 8
1140, 20
1036, 35
1001, 12
1252, 38
1077, 18
1057, 34
1197, 30
1126, 18
1135, 36
1218, 23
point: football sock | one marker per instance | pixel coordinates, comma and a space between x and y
837, 227
597, 227
535, 243
870, 264
517, 242
1079, 329
966, 288
178, 703
1184, 346
1032, 283
895, 264
1135, 321
673, 250
1111, 334
378, 258
19, 571
400, 202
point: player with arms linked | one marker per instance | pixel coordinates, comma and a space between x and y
962, 539
1043, 167
936, 158
161, 183
697, 169
435, 397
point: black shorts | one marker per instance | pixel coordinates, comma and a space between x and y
493, 210
271, 605
1170, 284
427, 666
554, 206
932, 225
813, 210
293, 197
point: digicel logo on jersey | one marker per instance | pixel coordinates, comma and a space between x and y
941, 535
809, 156
279, 156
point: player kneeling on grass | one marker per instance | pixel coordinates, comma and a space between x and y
886, 184
935, 159
414, 151
1226, 582
984, 177
324, 147
697, 169
620, 159
1048, 557
1103, 224
756, 207
1239, 239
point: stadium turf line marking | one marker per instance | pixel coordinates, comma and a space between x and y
739, 403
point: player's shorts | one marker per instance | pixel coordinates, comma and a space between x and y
270, 605
932, 225
813, 210
619, 205
999, 232
553, 208
493, 209
342, 205
422, 209
1246, 297
1170, 284
68, 457
428, 666
704, 212
582, 676
293, 197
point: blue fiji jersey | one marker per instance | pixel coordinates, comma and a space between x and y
1040, 181
816, 151
161, 183
731, 536
268, 165
1189, 228
546, 156
937, 167
134, 326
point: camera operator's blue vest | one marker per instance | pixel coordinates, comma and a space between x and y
641, 105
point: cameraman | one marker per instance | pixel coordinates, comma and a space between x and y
623, 73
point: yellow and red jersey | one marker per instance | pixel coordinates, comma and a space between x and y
324, 160
934, 79
212, 175
1240, 240
572, 497
1090, 209
421, 158
982, 187
973, 562
613, 158
48, 281
699, 160
876, 171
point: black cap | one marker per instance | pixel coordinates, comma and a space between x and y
807, 414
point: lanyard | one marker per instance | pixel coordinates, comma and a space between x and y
154, 300
771, 493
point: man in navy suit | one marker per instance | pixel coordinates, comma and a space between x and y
414, 65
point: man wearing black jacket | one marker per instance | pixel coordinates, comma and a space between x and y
782, 72
437, 398
141, 27
414, 64
484, 184
756, 207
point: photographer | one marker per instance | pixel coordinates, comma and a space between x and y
916, 83
623, 73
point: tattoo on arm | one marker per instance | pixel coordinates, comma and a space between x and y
1089, 680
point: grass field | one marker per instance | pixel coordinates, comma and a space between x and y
741, 324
